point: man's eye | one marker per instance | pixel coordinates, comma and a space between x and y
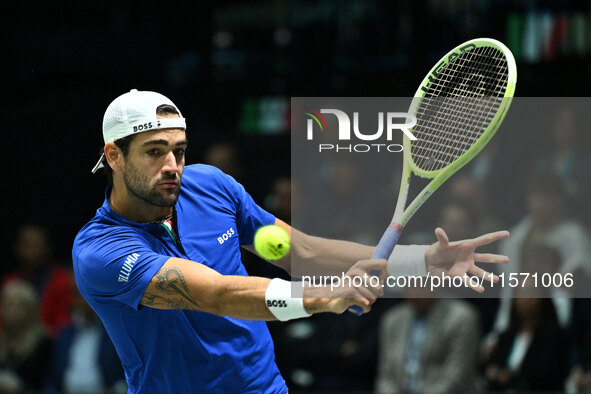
179, 152
153, 152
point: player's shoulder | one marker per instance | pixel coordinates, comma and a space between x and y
203, 170
99, 236
98, 245
203, 176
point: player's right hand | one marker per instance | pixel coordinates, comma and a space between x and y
357, 287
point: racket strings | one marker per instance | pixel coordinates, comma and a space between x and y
449, 138
487, 63
459, 105
452, 107
445, 142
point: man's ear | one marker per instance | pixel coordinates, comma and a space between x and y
114, 156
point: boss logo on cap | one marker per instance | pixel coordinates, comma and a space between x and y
142, 127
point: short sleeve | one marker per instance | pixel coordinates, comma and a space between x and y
118, 266
249, 215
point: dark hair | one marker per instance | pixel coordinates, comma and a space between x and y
547, 315
123, 143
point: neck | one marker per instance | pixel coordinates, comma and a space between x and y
134, 208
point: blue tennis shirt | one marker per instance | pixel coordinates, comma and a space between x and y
178, 351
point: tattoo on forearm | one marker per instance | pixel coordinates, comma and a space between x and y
172, 282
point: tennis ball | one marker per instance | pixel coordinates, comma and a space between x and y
271, 242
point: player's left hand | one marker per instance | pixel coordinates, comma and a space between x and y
458, 258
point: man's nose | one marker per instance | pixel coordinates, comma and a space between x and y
170, 163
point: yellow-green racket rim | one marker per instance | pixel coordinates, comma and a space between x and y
442, 174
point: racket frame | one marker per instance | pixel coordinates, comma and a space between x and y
402, 215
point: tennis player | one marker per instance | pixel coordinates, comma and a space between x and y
160, 262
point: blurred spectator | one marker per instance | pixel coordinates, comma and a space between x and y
468, 191
546, 225
53, 283
224, 156
428, 345
459, 221
278, 201
464, 212
344, 186
540, 259
531, 353
579, 379
25, 346
84, 359
328, 352
564, 158
344, 182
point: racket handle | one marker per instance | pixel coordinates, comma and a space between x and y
388, 241
382, 251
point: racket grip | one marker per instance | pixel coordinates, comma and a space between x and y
388, 241
382, 251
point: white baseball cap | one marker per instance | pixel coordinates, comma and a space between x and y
135, 112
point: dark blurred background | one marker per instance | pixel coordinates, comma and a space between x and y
224, 63
231, 67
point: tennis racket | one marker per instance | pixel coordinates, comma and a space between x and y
459, 106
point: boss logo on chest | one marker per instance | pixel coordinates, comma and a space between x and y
225, 236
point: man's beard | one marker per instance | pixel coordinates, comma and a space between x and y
139, 185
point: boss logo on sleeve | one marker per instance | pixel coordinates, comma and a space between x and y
225, 236
276, 303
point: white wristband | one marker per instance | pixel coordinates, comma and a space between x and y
408, 260
280, 302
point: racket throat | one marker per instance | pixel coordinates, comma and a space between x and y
400, 204
396, 226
